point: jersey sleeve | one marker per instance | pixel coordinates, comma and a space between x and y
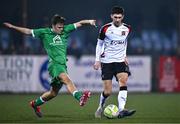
38, 33
99, 49
102, 32
69, 28
129, 27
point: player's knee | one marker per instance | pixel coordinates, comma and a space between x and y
65, 79
123, 80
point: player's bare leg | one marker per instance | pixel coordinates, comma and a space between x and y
35, 104
52, 93
122, 96
81, 97
107, 85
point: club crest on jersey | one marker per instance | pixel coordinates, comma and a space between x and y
123, 33
56, 40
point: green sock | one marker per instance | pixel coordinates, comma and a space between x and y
77, 95
39, 101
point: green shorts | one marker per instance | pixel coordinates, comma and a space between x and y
55, 70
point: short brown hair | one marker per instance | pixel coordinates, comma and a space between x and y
117, 10
57, 19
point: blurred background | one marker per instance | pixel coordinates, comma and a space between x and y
154, 40
153, 53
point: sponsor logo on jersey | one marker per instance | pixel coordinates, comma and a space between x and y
116, 42
56, 40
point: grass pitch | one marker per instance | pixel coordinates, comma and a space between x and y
151, 108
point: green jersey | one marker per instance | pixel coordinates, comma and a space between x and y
55, 44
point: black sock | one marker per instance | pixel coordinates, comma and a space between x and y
123, 88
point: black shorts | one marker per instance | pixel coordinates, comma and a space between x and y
111, 69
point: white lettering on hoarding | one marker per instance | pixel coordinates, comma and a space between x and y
15, 68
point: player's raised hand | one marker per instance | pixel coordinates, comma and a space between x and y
92, 22
8, 24
97, 65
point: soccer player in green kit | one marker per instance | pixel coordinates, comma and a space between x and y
55, 43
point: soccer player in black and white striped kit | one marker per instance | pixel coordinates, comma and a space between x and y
111, 58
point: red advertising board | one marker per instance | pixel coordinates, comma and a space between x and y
169, 77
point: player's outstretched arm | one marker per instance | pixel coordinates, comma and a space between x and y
20, 29
85, 22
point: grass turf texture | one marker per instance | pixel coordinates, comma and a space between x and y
151, 108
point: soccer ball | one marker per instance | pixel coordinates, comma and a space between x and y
111, 111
